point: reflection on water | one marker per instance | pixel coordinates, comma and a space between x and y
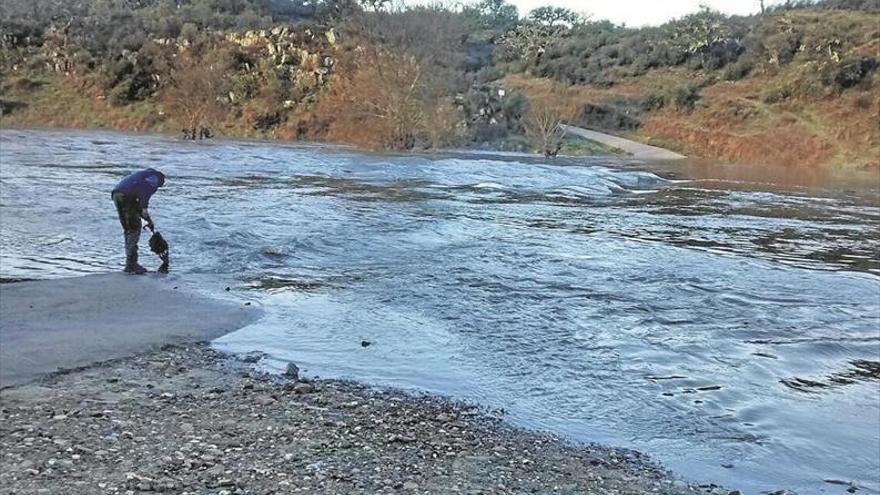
727, 327
859, 370
746, 176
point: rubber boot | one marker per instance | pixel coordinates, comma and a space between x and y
132, 266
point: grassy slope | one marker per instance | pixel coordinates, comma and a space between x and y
57, 101
732, 121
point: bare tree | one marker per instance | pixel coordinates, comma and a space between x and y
396, 91
195, 90
546, 113
380, 104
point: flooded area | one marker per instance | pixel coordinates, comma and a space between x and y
727, 326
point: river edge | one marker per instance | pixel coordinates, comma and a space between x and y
189, 419
631, 149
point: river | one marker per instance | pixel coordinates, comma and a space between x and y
729, 327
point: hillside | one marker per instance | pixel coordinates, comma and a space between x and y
795, 86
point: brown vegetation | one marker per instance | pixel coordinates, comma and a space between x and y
380, 105
796, 86
544, 118
194, 94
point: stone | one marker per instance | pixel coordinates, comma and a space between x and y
303, 388
445, 418
292, 371
252, 357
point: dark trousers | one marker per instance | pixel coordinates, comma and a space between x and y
129, 209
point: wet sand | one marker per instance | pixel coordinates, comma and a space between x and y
66, 323
132, 415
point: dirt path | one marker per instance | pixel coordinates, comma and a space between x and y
637, 150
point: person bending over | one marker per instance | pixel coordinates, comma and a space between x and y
132, 198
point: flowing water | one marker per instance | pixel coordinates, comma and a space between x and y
730, 328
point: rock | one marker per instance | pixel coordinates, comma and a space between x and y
303, 388
680, 485
445, 418
292, 371
409, 485
265, 400
366, 343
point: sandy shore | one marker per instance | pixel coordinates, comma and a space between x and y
187, 419
52, 324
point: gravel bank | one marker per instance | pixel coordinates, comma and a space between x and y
187, 419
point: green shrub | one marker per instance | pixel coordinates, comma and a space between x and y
653, 101
514, 106
852, 71
776, 95
738, 70
685, 97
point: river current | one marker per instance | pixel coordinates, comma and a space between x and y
728, 327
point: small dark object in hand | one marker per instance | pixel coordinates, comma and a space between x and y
159, 246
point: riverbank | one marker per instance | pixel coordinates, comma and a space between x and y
75, 322
187, 419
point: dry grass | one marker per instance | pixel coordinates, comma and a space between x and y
732, 123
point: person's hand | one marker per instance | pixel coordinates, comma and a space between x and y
150, 226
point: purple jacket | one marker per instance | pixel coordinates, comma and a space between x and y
142, 184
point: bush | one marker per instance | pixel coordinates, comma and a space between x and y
738, 70
781, 48
853, 71
622, 115
489, 133
267, 121
514, 108
489, 74
720, 54
116, 71
776, 95
653, 101
685, 97
9, 106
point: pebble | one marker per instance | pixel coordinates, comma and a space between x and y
303, 388
242, 431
